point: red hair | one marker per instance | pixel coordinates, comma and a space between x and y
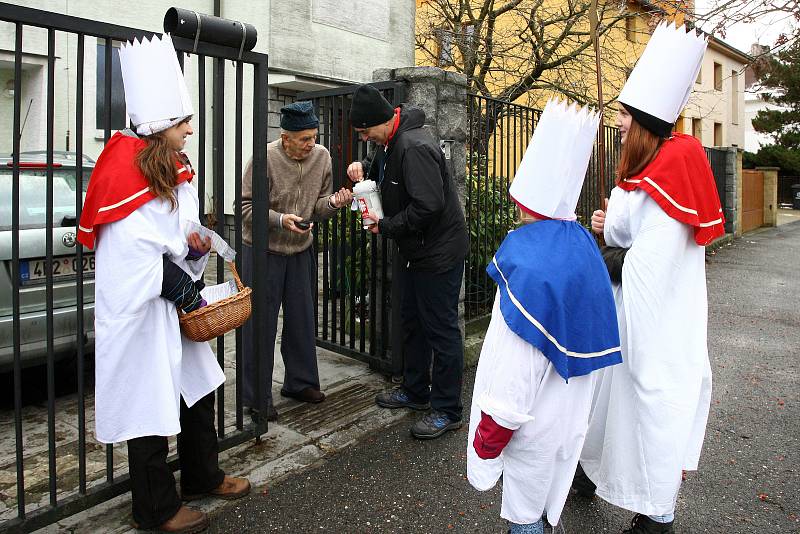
638, 150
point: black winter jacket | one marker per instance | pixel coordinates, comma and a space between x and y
422, 212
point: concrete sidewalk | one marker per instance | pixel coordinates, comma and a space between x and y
748, 478
303, 435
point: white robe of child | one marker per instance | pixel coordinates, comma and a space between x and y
519, 387
649, 414
143, 363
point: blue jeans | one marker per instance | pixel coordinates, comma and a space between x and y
530, 528
666, 518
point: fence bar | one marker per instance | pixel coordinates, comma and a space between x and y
237, 216
51, 373
201, 135
106, 136
261, 262
15, 272
218, 143
79, 297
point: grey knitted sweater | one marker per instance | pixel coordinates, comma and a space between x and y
299, 187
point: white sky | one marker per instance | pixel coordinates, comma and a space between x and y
741, 36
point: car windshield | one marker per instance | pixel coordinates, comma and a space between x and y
33, 197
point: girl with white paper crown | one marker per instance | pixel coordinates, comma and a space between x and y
649, 416
150, 381
553, 325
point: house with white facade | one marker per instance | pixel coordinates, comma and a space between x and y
756, 99
715, 113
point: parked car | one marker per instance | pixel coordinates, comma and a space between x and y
33, 263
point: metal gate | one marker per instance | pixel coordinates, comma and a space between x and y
357, 298
63, 470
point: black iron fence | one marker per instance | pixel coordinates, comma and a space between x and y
354, 311
50, 286
786, 195
717, 158
499, 133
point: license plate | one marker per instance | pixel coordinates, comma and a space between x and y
34, 270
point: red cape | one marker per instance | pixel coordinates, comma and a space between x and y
680, 180
117, 187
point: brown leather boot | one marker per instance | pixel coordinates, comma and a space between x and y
185, 521
230, 489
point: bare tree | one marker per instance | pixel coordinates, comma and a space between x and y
719, 15
510, 49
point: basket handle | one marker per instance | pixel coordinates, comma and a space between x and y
234, 272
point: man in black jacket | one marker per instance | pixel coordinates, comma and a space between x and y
423, 215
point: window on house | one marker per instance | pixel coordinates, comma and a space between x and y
630, 28
118, 113
717, 134
717, 77
445, 38
734, 97
468, 31
697, 129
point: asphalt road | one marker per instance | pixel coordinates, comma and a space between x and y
748, 478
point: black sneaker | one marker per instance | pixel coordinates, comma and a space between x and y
641, 524
434, 424
398, 398
582, 485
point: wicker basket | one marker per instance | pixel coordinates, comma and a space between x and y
220, 317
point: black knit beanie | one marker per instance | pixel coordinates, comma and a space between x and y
369, 108
661, 128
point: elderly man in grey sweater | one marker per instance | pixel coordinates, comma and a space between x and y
299, 171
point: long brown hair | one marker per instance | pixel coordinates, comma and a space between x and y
638, 150
157, 163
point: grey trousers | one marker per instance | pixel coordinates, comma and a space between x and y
290, 283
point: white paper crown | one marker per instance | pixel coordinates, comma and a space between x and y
551, 174
155, 89
663, 78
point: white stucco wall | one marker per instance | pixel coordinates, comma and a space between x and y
753, 104
308, 39
715, 106
346, 40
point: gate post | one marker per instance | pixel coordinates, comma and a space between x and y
770, 195
733, 191
442, 95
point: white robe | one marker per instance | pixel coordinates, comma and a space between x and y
649, 414
143, 364
519, 387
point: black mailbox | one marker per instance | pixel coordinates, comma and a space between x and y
209, 29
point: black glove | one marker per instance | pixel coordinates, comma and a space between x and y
178, 286
614, 258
